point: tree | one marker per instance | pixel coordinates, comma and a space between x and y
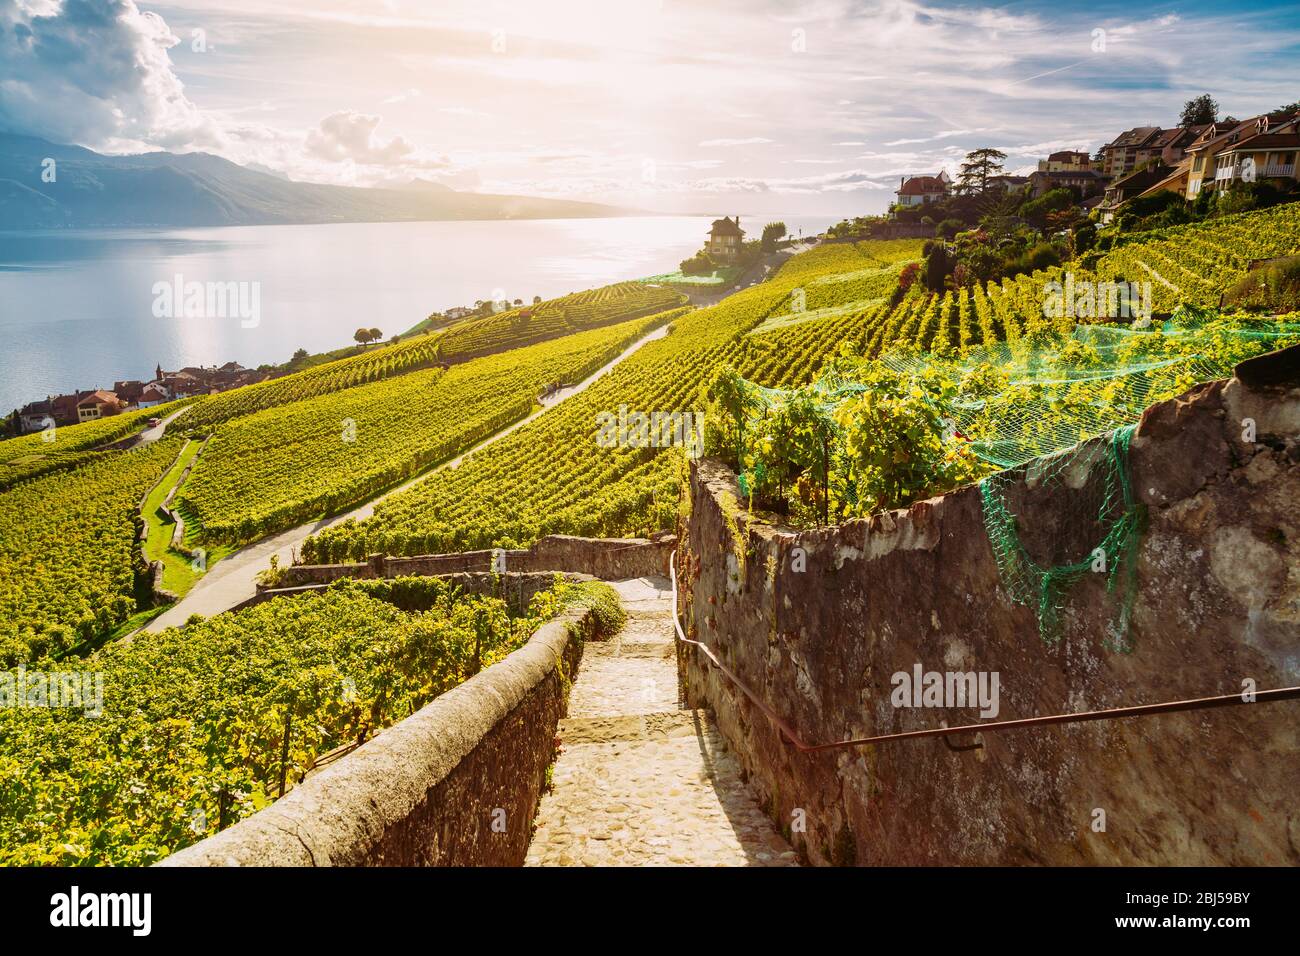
537, 300
773, 232
300, 355
376, 335
362, 336
980, 164
1290, 108
1199, 111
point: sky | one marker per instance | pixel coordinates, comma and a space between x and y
693, 106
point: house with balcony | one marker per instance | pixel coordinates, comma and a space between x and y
1267, 156
1219, 155
725, 238
1142, 145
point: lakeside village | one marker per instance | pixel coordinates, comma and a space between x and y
987, 225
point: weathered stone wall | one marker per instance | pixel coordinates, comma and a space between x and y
455, 784
1218, 603
610, 559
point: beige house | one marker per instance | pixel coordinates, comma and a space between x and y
1066, 161
725, 238
1261, 148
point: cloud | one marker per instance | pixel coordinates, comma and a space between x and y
746, 141
349, 136
96, 72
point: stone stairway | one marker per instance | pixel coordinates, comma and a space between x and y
640, 780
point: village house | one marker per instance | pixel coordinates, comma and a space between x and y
1147, 144
1007, 183
1134, 184
1066, 161
1205, 171
152, 394
97, 404
725, 238
920, 190
1088, 182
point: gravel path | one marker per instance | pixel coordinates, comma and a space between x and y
640, 780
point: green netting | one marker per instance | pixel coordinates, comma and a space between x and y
1094, 503
1026, 406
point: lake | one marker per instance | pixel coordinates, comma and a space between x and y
80, 308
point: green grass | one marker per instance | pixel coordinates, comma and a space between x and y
178, 576
724, 276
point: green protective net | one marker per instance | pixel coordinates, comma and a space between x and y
1093, 504
1025, 407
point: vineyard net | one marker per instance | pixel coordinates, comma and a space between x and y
1025, 406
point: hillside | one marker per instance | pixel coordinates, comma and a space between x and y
198, 189
284, 453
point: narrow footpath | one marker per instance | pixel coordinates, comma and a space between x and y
641, 780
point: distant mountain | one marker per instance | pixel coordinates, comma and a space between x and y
199, 189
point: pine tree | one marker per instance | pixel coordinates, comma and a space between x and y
978, 167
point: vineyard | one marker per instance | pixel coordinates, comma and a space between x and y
203, 725
268, 471
556, 317
69, 446
371, 366
551, 477
68, 552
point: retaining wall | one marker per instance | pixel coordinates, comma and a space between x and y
455, 784
610, 559
1218, 604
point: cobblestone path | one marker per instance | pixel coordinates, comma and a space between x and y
640, 780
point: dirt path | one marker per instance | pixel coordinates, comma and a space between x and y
640, 780
233, 579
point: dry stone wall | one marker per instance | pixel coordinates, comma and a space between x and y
1218, 603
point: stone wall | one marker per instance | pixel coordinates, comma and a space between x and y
610, 559
455, 784
1218, 603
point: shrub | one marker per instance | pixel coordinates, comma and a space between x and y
1272, 288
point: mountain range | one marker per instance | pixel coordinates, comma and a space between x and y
91, 189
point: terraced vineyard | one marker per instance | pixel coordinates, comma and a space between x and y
69, 446
192, 733
268, 471
1197, 262
68, 551
551, 477
416, 353
555, 317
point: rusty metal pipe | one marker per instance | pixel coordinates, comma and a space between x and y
789, 734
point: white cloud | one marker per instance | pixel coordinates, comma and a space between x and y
348, 136
95, 71
745, 141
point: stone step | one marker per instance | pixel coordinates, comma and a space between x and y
657, 725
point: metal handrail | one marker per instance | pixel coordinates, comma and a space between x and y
791, 736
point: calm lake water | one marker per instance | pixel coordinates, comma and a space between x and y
77, 308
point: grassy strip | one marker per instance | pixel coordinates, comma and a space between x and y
178, 575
